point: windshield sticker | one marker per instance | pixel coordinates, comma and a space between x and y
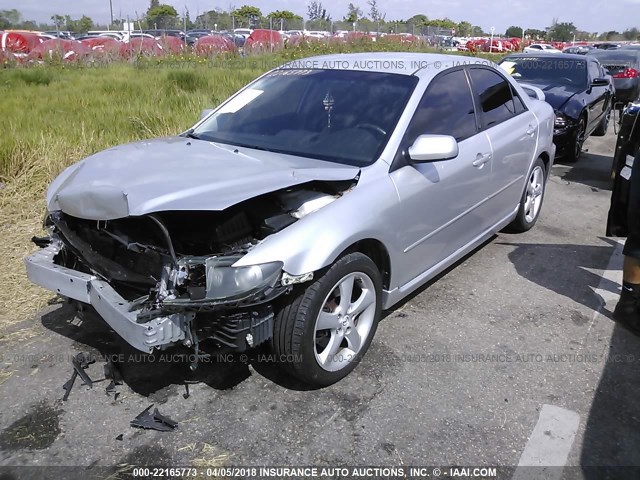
328, 106
241, 100
508, 67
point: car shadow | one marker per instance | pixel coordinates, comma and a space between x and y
147, 374
612, 430
566, 269
592, 170
144, 373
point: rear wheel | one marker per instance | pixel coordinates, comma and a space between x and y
323, 331
531, 202
603, 126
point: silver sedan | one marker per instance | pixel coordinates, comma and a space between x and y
325, 191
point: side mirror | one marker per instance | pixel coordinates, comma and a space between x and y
599, 82
533, 92
205, 113
433, 148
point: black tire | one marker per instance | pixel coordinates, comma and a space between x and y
578, 140
294, 336
603, 126
523, 222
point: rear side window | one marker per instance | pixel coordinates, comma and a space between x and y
445, 109
495, 96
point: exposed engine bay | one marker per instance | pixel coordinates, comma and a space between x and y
181, 262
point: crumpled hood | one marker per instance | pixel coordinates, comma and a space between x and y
178, 173
556, 95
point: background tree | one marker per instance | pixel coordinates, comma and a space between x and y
9, 18
414, 24
476, 31
464, 29
82, 25
513, 31
247, 15
282, 19
375, 14
315, 11
561, 32
610, 35
535, 34
163, 17
443, 23
353, 13
631, 34
212, 19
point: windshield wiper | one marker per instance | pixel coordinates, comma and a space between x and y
189, 134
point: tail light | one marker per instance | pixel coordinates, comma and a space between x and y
627, 73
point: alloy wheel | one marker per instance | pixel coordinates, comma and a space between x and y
535, 189
344, 322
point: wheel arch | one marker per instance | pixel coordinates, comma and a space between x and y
378, 253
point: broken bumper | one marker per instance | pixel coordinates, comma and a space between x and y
115, 310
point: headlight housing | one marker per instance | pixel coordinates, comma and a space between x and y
225, 281
561, 120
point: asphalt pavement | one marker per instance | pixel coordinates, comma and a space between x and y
508, 358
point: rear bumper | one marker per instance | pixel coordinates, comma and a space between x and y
627, 89
115, 310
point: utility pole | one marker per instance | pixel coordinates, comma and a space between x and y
111, 11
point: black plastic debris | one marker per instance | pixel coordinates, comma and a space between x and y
41, 242
154, 421
119, 437
112, 373
80, 363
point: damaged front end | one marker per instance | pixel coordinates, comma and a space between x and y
169, 277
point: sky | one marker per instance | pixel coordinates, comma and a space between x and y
588, 15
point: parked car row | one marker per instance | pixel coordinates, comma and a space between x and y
578, 88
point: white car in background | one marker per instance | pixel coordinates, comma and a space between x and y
245, 32
540, 47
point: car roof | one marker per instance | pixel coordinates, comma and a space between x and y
628, 54
402, 63
564, 56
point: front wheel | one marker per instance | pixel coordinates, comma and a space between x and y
322, 332
575, 150
531, 202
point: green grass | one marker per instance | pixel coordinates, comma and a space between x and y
54, 115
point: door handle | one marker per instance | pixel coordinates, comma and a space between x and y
481, 159
531, 130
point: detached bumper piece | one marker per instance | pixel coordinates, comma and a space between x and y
154, 421
121, 315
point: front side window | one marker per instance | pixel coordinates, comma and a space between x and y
341, 116
495, 96
445, 109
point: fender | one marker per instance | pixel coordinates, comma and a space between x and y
316, 241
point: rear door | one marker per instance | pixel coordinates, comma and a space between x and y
442, 204
512, 131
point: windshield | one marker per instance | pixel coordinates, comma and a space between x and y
337, 115
547, 71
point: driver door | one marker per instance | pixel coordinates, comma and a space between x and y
442, 204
